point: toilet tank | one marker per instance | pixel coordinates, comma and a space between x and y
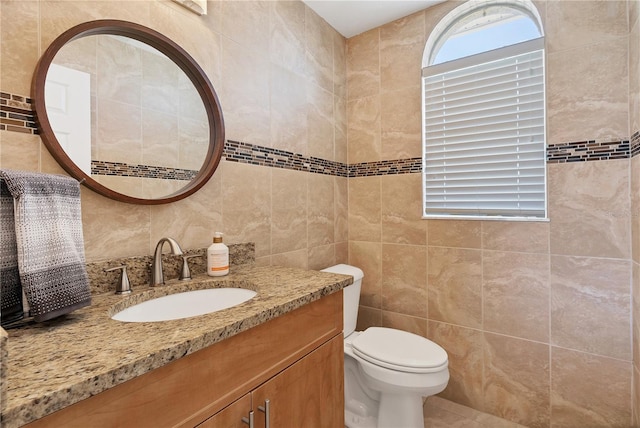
351, 295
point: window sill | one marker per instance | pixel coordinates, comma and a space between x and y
486, 218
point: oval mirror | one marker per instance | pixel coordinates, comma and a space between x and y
128, 112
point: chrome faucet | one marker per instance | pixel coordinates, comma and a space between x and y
157, 277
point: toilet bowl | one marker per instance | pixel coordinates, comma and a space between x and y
387, 371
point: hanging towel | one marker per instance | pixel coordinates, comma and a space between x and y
10, 288
49, 241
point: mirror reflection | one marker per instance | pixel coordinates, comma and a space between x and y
126, 115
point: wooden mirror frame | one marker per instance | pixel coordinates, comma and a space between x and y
174, 52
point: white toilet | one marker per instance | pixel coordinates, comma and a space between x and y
386, 371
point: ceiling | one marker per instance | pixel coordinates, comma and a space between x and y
352, 17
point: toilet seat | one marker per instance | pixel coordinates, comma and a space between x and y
399, 350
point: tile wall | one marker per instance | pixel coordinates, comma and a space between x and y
535, 316
279, 72
634, 128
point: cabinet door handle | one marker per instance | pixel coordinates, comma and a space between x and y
249, 420
267, 412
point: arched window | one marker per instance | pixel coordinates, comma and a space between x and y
484, 150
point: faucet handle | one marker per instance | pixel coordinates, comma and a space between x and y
185, 273
123, 286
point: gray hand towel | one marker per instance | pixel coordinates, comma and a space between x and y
50, 245
10, 288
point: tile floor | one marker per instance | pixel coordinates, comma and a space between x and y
441, 413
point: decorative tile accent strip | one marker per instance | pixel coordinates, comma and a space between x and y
235, 151
587, 151
16, 114
385, 167
141, 171
634, 145
556, 153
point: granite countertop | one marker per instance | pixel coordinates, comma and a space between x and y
57, 363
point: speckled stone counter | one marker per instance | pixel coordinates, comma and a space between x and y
55, 364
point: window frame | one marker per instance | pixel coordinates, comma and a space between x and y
436, 41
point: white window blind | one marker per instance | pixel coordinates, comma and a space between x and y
484, 134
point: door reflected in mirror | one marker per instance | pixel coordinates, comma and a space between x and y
126, 115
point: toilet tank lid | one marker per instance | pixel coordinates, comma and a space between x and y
346, 270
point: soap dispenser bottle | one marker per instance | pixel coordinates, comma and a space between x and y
217, 257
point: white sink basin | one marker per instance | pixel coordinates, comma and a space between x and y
184, 305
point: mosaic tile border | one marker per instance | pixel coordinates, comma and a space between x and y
385, 167
235, 151
634, 146
587, 151
120, 169
16, 114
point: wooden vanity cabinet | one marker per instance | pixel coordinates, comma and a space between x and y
307, 394
295, 361
232, 415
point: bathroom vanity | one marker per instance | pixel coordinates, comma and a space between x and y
277, 357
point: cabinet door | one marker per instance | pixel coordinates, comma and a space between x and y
231, 416
308, 394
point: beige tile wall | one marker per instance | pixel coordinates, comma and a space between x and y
279, 71
634, 127
535, 316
